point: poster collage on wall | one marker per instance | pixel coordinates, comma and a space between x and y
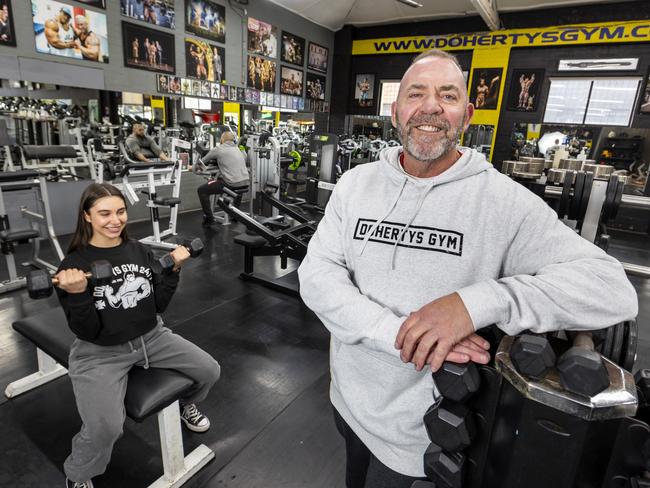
176, 85
64, 28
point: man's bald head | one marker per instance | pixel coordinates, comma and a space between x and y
227, 137
436, 54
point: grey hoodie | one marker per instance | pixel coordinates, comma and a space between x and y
390, 243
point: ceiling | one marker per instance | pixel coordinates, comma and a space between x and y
334, 14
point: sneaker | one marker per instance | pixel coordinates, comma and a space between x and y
193, 419
208, 221
76, 484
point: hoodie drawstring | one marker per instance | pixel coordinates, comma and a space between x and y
378, 223
408, 225
144, 352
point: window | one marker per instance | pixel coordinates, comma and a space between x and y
389, 90
612, 101
607, 101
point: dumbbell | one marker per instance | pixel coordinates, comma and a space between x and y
40, 284
581, 368
194, 246
450, 425
445, 469
457, 382
532, 355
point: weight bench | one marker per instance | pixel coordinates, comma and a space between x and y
149, 391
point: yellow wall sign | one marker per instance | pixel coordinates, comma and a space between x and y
565, 35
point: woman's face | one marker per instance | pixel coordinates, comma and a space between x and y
108, 218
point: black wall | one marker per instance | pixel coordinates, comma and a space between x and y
392, 66
547, 58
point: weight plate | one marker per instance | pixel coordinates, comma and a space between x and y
566, 192
574, 206
610, 193
609, 341
617, 347
586, 193
629, 356
617, 199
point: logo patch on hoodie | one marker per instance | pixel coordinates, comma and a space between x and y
416, 237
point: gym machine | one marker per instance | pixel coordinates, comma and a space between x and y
271, 238
40, 226
146, 178
321, 170
585, 195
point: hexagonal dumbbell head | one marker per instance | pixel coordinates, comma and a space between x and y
450, 425
102, 272
445, 469
194, 246
582, 371
532, 355
39, 284
457, 382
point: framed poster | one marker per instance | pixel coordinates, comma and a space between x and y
69, 31
224, 92
241, 94
293, 49
216, 91
315, 86
318, 57
148, 49
232, 93
186, 86
484, 92
206, 18
525, 86
204, 61
291, 81
261, 74
94, 3
7, 33
174, 85
611, 64
364, 90
157, 12
262, 38
162, 83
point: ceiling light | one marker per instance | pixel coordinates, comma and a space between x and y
411, 3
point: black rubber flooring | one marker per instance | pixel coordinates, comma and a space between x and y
270, 413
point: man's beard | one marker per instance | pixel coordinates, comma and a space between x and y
425, 148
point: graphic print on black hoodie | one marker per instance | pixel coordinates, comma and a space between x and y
133, 284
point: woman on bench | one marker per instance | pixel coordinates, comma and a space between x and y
118, 327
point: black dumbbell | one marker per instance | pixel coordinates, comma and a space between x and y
532, 355
450, 425
40, 284
194, 246
445, 469
581, 368
457, 382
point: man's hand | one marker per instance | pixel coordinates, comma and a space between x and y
473, 348
437, 331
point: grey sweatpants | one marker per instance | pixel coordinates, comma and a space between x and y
99, 377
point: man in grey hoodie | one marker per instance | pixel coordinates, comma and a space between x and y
418, 251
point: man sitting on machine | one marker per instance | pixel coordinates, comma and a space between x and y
142, 147
233, 173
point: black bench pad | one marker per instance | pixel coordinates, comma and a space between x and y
149, 390
18, 235
250, 241
22, 175
49, 152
